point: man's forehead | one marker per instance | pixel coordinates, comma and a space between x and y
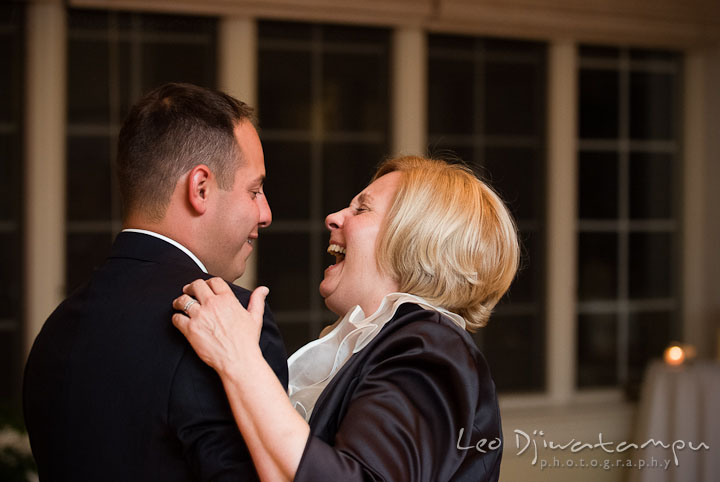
251, 174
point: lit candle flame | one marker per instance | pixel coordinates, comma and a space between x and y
674, 355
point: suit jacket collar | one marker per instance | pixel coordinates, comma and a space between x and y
149, 248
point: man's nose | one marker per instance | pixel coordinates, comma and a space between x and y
265, 213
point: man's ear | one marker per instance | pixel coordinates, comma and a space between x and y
200, 181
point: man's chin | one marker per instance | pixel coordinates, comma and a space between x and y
240, 276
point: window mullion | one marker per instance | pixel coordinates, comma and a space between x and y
409, 91
44, 163
561, 220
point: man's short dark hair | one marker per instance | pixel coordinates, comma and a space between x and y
169, 131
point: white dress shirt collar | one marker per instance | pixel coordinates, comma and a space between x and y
171, 241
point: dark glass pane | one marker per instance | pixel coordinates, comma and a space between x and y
510, 342
350, 102
651, 185
89, 179
652, 105
347, 169
513, 99
527, 287
163, 63
649, 336
653, 54
127, 92
349, 34
598, 185
455, 43
125, 20
284, 30
10, 345
10, 280
10, 177
651, 256
597, 350
597, 266
6, 56
284, 264
465, 153
295, 335
10, 58
288, 179
11, 13
596, 52
451, 96
508, 46
81, 19
518, 176
85, 252
285, 92
88, 81
599, 104
178, 24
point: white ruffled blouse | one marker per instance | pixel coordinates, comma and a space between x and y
313, 366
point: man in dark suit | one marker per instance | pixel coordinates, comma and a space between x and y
112, 390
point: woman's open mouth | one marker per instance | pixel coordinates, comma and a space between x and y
337, 251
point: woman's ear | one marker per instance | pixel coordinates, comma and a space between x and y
198, 187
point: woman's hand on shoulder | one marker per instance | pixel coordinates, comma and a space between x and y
218, 327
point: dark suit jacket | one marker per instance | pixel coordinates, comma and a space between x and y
394, 412
112, 390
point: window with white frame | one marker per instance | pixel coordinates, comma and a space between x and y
113, 59
323, 103
487, 106
323, 107
11, 195
628, 220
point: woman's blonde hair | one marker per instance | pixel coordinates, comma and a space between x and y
448, 238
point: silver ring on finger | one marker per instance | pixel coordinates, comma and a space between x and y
188, 305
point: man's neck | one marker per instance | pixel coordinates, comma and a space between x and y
162, 227
174, 225
169, 240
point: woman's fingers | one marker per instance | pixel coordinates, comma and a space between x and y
218, 285
217, 326
185, 303
256, 305
198, 289
181, 322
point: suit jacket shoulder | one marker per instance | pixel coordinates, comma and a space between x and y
112, 391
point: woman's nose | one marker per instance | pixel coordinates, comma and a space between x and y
334, 220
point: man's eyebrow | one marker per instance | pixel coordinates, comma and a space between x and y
259, 180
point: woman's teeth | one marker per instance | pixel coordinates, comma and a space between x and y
337, 251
